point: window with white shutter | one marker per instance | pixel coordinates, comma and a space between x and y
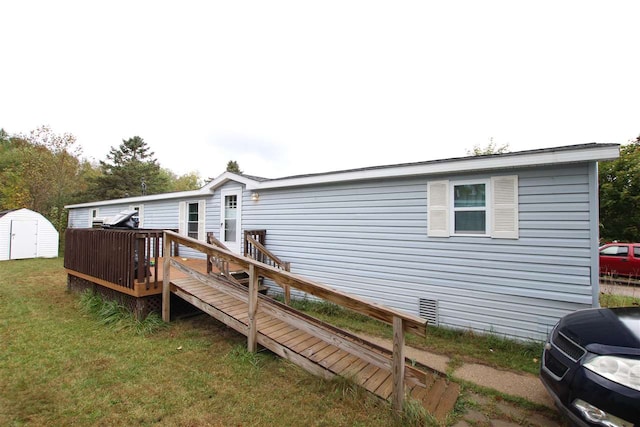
191, 221
473, 208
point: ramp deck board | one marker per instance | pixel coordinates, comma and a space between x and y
313, 353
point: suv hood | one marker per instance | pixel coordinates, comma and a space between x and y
605, 330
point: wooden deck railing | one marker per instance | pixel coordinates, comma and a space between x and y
401, 322
254, 247
120, 257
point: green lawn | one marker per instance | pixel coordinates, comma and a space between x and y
67, 360
60, 365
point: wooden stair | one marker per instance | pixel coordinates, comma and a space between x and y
316, 346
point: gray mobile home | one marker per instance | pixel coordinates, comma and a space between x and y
502, 243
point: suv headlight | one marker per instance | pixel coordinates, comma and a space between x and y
617, 369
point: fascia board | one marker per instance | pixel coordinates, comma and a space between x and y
205, 190
140, 199
469, 164
224, 178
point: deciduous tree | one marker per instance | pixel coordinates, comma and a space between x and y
186, 182
490, 148
39, 171
620, 195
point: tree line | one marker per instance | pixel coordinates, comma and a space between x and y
44, 171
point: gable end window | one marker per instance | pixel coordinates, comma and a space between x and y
487, 208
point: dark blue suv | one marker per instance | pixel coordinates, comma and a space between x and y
591, 366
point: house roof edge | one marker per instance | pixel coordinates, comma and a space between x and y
546, 156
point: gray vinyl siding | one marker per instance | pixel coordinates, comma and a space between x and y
78, 218
370, 239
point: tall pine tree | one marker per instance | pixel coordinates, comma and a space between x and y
130, 170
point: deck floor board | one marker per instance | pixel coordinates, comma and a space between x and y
437, 395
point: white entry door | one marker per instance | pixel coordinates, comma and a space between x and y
230, 226
24, 239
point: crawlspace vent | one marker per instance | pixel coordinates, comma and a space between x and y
429, 310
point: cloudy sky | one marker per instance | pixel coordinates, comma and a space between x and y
297, 87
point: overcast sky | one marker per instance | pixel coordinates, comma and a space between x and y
297, 87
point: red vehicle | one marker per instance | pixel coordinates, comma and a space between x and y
620, 259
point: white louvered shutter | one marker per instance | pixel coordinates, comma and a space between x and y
504, 207
182, 218
438, 209
201, 220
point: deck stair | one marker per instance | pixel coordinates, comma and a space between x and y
316, 346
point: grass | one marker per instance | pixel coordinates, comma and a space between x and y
610, 300
70, 360
117, 317
78, 360
462, 346
628, 286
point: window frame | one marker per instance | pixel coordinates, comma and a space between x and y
453, 209
188, 222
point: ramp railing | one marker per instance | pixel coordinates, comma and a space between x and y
400, 321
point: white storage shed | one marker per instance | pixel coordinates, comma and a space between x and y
26, 234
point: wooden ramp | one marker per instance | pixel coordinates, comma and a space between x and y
316, 346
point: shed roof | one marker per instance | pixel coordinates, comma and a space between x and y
3, 213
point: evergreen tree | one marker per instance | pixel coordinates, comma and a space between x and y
130, 170
233, 166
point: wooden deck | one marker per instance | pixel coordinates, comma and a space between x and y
318, 347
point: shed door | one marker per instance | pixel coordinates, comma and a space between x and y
24, 239
230, 226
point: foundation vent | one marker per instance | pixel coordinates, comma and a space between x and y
429, 310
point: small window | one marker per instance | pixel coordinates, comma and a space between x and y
620, 251
192, 220
636, 251
94, 220
470, 208
140, 210
481, 208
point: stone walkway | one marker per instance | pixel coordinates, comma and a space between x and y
483, 410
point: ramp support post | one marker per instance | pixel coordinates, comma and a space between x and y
252, 333
397, 364
166, 282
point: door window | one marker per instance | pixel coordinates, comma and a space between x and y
230, 217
